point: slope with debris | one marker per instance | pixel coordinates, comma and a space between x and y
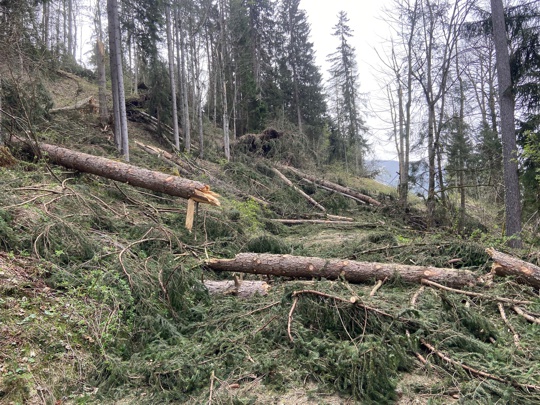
103, 296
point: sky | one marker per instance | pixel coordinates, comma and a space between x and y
369, 34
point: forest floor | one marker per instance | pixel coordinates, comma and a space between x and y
102, 298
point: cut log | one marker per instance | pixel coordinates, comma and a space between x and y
323, 222
334, 191
290, 184
126, 173
89, 104
333, 186
244, 289
506, 265
332, 269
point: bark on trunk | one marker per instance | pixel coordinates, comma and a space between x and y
126, 173
290, 184
332, 269
506, 265
512, 201
333, 186
102, 82
323, 222
170, 50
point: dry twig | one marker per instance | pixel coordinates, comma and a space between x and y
293, 306
509, 325
525, 315
476, 372
377, 286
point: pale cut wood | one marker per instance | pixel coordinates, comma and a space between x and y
127, 173
332, 269
244, 289
88, 102
506, 265
190, 213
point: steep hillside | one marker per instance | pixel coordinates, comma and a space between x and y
103, 297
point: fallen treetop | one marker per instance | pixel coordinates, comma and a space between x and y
127, 173
506, 265
332, 269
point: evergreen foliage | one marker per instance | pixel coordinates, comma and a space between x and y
102, 294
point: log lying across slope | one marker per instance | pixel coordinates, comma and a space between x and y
506, 265
346, 191
331, 269
126, 173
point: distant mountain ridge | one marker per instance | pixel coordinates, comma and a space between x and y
387, 172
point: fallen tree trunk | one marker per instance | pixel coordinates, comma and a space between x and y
169, 158
89, 103
126, 173
243, 289
506, 265
333, 186
323, 222
332, 269
290, 184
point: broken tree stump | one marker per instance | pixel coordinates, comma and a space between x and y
133, 175
332, 269
506, 265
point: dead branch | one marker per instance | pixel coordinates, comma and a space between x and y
476, 372
509, 325
376, 287
475, 294
525, 315
289, 322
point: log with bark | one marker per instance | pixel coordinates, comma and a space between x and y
332, 269
506, 265
299, 191
127, 173
323, 222
346, 191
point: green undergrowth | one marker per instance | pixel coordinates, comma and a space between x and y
102, 298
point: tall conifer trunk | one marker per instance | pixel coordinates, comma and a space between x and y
170, 49
512, 200
117, 79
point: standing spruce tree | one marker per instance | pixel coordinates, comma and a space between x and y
512, 199
251, 25
344, 90
300, 79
